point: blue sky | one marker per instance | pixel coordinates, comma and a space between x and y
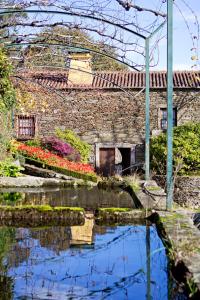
183, 37
186, 33
186, 20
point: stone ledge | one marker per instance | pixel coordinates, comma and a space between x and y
41, 215
183, 238
121, 215
33, 181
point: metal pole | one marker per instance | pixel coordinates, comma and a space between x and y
147, 113
169, 104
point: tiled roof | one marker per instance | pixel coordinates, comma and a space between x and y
115, 80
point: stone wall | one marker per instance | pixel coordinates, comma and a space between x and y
186, 190
102, 116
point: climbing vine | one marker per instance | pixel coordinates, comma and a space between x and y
7, 100
7, 92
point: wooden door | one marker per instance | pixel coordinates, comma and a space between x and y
107, 161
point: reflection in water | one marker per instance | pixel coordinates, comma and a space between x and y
81, 235
125, 262
90, 198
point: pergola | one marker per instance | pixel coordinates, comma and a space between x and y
147, 39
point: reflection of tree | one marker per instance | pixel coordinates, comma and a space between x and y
18, 255
7, 236
10, 198
53, 238
6, 287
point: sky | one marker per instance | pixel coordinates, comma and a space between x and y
186, 29
186, 16
183, 43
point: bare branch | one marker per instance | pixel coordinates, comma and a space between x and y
127, 5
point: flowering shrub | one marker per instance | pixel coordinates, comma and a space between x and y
57, 146
52, 159
70, 137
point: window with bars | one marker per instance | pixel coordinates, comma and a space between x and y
163, 119
26, 127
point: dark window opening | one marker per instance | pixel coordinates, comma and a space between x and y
26, 127
126, 160
163, 121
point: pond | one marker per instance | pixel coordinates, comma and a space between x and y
84, 262
88, 198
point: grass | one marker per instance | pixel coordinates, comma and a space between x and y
133, 181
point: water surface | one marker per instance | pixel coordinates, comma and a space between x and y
89, 198
83, 262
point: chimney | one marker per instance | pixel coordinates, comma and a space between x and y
80, 71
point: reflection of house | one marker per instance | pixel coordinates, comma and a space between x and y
55, 238
106, 108
81, 235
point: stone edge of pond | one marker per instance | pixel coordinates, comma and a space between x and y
120, 215
145, 194
32, 181
181, 239
41, 214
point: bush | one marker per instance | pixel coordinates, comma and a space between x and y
82, 147
34, 142
186, 149
60, 148
9, 169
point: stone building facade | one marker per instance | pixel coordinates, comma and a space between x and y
109, 111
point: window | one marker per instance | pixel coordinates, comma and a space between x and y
163, 119
26, 127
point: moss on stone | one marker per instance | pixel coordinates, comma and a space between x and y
114, 209
64, 208
41, 208
153, 188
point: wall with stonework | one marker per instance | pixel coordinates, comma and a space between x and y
113, 116
186, 190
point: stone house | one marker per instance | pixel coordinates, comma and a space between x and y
106, 109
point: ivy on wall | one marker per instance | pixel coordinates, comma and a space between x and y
7, 92
7, 101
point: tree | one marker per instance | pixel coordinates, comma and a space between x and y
57, 56
185, 147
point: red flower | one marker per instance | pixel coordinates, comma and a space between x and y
51, 159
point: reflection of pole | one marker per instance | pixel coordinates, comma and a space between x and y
147, 112
148, 253
169, 104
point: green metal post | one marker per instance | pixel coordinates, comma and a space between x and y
169, 104
147, 113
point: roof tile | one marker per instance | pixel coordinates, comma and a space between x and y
117, 80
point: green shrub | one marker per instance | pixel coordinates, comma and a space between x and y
34, 143
71, 138
186, 150
9, 169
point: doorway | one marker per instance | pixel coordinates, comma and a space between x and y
126, 160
